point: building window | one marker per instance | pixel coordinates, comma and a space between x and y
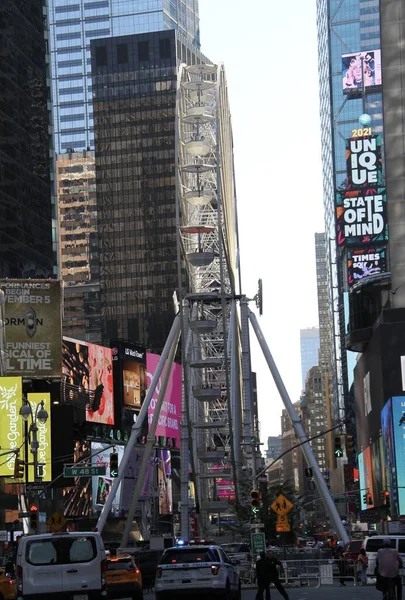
101, 56
122, 53
164, 48
143, 50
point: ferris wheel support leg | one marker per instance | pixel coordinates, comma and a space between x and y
300, 433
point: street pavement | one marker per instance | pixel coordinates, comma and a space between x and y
329, 592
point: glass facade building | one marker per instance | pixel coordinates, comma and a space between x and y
73, 24
344, 27
26, 248
134, 100
309, 345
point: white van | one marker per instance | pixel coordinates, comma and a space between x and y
373, 543
68, 566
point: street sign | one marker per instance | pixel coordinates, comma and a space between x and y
56, 522
83, 471
258, 543
35, 487
282, 505
282, 524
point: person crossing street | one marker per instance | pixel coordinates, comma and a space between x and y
267, 573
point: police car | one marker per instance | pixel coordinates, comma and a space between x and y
187, 570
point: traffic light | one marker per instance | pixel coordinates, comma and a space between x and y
387, 500
349, 443
34, 517
365, 499
19, 468
255, 501
370, 499
338, 447
114, 464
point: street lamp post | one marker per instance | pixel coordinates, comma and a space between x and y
40, 415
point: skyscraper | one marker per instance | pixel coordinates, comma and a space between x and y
309, 344
25, 146
349, 49
134, 97
73, 24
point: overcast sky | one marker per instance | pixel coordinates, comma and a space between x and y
270, 54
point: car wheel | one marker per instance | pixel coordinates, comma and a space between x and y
227, 593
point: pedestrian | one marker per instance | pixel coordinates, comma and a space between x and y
274, 576
340, 564
262, 577
388, 564
361, 566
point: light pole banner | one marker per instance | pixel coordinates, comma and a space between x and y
33, 327
11, 424
43, 435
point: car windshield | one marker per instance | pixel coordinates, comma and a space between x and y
60, 551
192, 555
120, 564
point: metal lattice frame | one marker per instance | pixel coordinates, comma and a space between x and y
207, 238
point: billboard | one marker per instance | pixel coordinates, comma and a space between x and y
364, 162
164, 471
129, 370
11, 424
398, 417
131, 476
169, 418
88, 379
33, 327
43, 435
359, 65
361, 216
102, 484
363, 262
389, 462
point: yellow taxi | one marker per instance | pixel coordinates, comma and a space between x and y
124, 579
7, 585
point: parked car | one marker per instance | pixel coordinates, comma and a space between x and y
124, 579
373, 543
71, 564
352, 549
187, 570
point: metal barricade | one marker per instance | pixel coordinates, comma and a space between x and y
319, 572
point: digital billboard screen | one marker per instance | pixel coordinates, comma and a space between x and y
129, 368
33, 327
361, 216
364, 163
131, 477
364, 262
170, 414
164, 470
398, 418
359, 65
102, 484
88, 379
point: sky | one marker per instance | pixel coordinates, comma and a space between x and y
270, 54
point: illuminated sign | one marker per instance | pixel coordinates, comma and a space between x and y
170, 414
43, 435
11, 424
364, 262
361, 216
364, 162
33, 327
357, 66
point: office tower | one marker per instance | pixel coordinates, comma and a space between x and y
293, 460
25, 150
349, 48
73, 24
273, 446
76, 191
309, 345
134, 99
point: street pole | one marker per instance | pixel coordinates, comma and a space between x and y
140, 482
137, 427
300, 432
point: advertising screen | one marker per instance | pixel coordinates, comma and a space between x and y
362, 484
361, 216
44, 436
11, 424
364, 163
388, 458
169, 418
131, 477
87, 371
398, 418
102, 484
129, 369
224, 488
33, 327
164, 481
359, 65
363, 262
